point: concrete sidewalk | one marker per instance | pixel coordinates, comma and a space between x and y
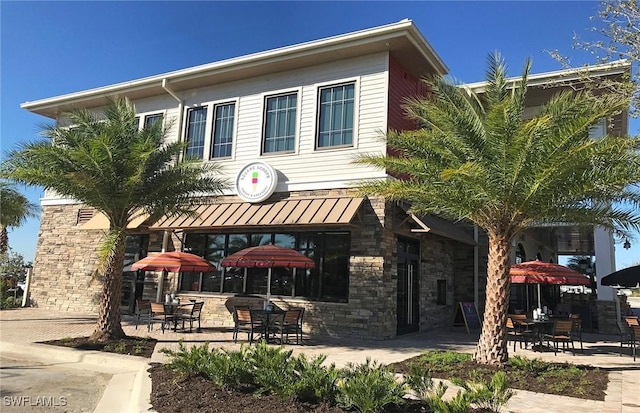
130, 387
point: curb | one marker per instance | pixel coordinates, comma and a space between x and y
128, 390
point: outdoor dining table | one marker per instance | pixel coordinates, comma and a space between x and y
539, 328
174, 308
269, 317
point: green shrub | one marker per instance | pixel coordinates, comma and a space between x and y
368, 387
273, 370
490, 396
190, 361
419, 381
315, 382
9, 302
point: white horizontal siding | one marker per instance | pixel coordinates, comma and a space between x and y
306, 168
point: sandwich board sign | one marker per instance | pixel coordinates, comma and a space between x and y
467, 316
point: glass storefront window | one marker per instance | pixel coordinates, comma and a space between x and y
328, 281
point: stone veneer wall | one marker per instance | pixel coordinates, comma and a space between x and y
65, 261
67, 256
607, 317
370, 311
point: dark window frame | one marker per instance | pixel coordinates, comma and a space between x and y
290, 137
227, 140
320, 131
199, 150
441, 290
329, 281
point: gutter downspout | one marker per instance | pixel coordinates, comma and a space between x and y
165, 86
167, 233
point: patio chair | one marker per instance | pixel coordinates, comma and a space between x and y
635, 339
517, 334
624, 332
561, 334
193, 314
162, 314
632, 320
247, 321
290, 323
576, 331
143, 311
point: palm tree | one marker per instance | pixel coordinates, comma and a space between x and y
109, 164
476, 158
15, 208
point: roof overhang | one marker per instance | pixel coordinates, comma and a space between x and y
402, 39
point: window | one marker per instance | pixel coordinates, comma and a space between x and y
328, 281
196, 125
442, 292
152, 119
222, 136
335, 115
280, 123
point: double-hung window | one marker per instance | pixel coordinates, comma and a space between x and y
335, 115
152, 119
222, 135
280, 123
196, 125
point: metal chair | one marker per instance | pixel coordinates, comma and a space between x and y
143, 311
290, 323
192, 315
561, 334
576, 331
635, 339
162, 314
625, 335
245, 320
517, 334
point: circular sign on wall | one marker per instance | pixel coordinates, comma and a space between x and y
256, 181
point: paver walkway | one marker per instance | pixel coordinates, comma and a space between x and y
30, 325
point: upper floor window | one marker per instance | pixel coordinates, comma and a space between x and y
280, 123
151, 119
335, 117
196, 125
222, 136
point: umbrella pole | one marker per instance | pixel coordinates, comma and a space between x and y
539, 300
269, 286
527, 294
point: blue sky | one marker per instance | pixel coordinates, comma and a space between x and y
52, 48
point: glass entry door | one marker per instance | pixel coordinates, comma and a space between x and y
408, 286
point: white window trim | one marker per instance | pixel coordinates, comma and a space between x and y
185, 127
263, 120
209, 138
356, 113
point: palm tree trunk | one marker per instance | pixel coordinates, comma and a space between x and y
492, 346
4, 240
109, 324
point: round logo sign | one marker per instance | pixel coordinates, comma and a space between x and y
256, 181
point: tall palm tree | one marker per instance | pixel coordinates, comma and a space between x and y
476, 158
108, 163
15, 208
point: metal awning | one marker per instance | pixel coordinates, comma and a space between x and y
295, 211
100, 221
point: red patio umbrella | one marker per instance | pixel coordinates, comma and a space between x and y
175, 261
268, 256
539, 272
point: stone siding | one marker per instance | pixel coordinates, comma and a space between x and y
65, 262
67, 256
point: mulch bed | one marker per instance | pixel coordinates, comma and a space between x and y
593, 386
133, 346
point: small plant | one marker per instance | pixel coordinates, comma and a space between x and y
190, 361
368, 388
490, 396
314, 381
535, 365
419, 381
